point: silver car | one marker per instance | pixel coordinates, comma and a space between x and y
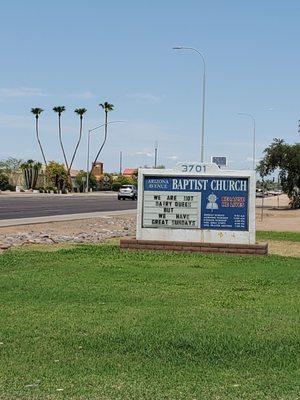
127, 192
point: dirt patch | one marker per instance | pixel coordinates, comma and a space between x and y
277, 216
284, 248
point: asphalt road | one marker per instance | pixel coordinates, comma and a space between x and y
27, 206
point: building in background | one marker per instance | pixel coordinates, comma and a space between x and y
97, 170
130, 172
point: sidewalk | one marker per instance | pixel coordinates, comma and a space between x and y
59, 218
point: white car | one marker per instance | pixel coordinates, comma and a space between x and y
127, 192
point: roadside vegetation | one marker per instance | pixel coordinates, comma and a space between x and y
92, 322
272, 235
55, 177
285, 158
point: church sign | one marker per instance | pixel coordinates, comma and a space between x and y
196, 203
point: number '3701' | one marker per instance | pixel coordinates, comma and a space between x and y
193, 168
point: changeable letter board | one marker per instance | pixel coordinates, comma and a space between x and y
207, 202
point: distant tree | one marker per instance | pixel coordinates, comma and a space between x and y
31, 171
57, 175
59, 110
134, 176
286, 157
107, 107
81, 181
4, 181
11, 167
80, 112
122, 181
37, 112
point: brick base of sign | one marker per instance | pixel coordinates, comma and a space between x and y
259, 249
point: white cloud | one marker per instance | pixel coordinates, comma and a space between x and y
145, 97
84, 95
144, 153
21, 92
24, 92
173, 157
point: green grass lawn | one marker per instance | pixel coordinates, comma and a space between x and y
92, 322
272, 235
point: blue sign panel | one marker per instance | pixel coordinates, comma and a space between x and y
222, 202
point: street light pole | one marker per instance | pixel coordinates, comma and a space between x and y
203, 93
254, 136
155, 154
88, 150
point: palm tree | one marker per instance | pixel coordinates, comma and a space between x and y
59, 110
80, 112
107, 107
37, 112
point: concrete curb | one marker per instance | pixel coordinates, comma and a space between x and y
45, 195
66, 217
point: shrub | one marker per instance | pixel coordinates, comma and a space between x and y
81, 181
122, 181
4, 181
57, 175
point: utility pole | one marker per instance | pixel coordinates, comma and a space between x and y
88, 151
121, 162
155, 154
203, 95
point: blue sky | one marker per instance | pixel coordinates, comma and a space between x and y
79, 54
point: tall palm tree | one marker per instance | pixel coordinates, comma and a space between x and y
107, 107
80, 112
59, 110
37, 112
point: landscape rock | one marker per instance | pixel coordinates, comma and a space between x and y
79, 231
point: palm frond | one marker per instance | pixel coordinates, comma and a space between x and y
37, 111
107, 106
80, 111
59, 109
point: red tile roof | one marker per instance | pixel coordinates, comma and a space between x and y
129, 171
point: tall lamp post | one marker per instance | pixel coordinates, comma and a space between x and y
88, 150
254, 136
155, 154
203, 93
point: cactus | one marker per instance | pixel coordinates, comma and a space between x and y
31, 171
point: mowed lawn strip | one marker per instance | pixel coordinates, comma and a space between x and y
93, 322
273, 235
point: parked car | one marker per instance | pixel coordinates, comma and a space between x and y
127, 192
259, 193
275, 192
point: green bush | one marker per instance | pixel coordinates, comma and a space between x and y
81, 181
122, 181
116, 186
4, 182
